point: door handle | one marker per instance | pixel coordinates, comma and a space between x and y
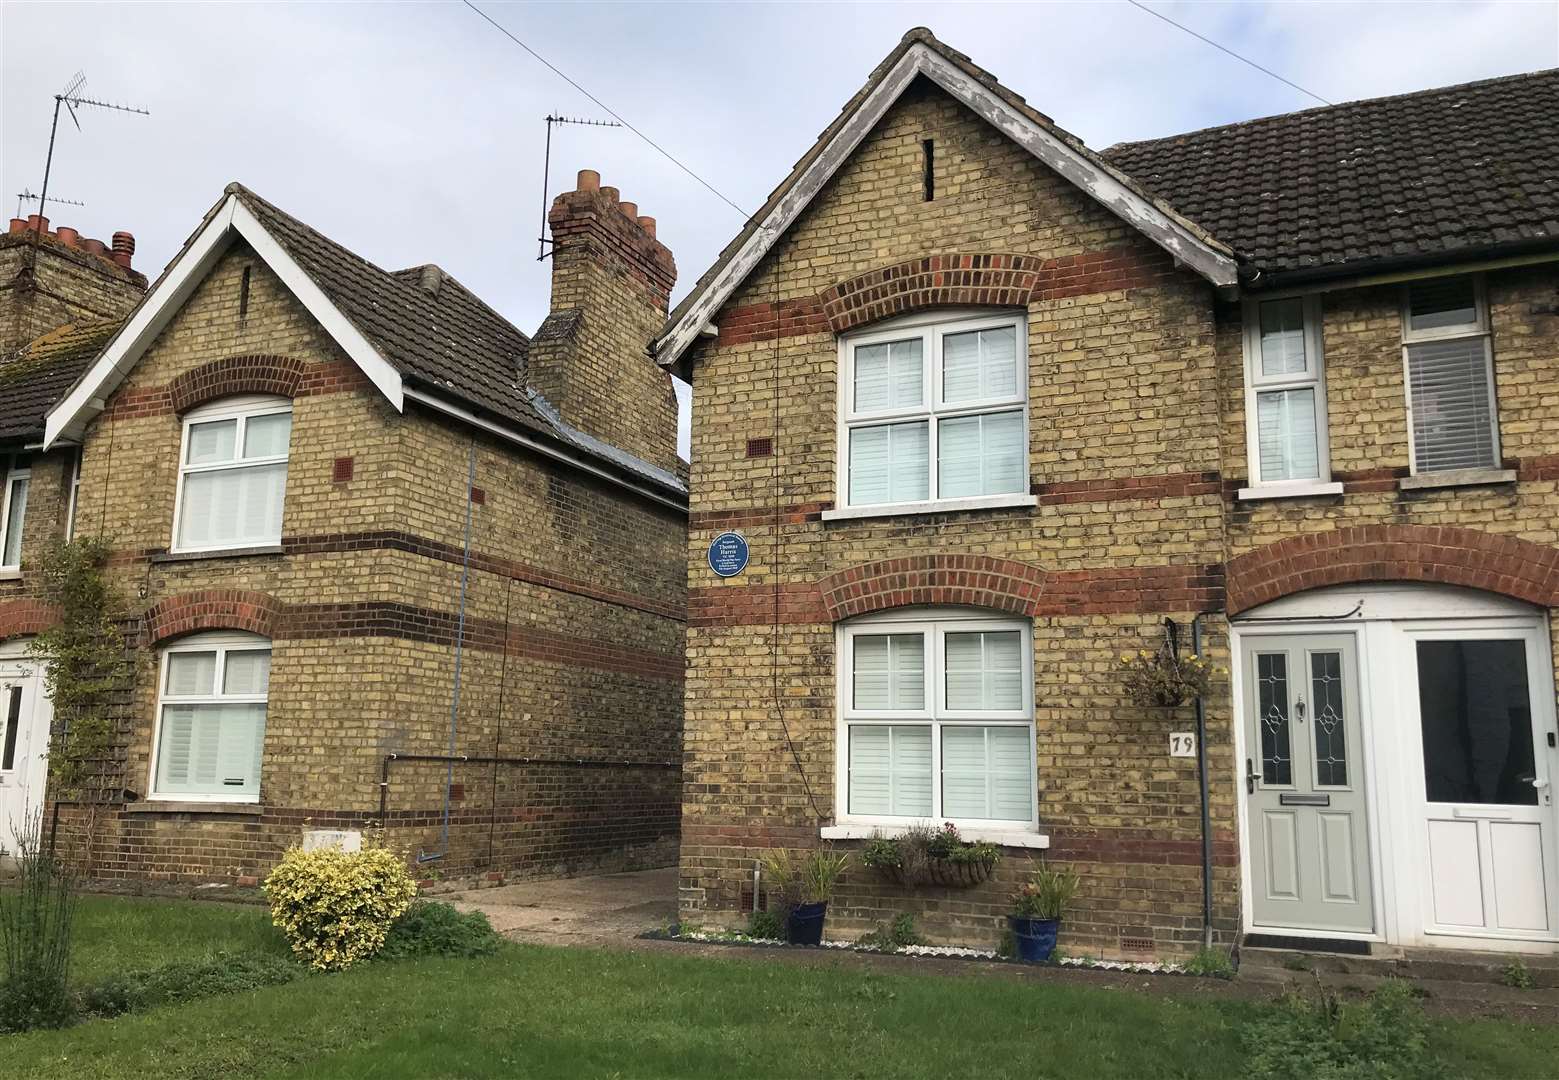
1250, 778
1534, 781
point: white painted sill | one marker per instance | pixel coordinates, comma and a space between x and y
1294, 491
217, 553
1017, 838
940, 506
155, 805
1457, 478
10, 573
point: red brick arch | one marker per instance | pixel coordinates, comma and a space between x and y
1449, 556
213, 609
26, 615
967, 580
950, 280
279, 375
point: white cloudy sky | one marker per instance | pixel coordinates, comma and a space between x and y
413, 132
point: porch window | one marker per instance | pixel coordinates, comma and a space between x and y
233, 474
935, 412
1449, 360
13, 511
212, 700
937, 720
1285, 393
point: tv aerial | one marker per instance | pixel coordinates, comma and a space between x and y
546, 171
72, 98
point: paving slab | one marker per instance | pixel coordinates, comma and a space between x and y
597, 909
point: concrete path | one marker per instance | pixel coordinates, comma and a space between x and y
608, 908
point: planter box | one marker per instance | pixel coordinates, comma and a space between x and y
943, 872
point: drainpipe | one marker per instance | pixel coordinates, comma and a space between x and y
1201, 776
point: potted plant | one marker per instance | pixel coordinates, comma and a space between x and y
1036, 912
804, 886
923, 855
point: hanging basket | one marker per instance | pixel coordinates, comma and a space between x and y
942, 872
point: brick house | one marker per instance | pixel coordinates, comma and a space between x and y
988, 407
377, 574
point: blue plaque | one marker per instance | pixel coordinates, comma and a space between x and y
728, 554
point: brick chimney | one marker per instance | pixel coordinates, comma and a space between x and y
611, 288
50, 278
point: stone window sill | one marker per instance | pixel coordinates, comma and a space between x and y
1017, 838
221, 553
11, 573
1457, 478
941, 506
1289, 491
191, 806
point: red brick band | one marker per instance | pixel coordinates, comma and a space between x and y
26, 615
1507, 565
945, 280
212, 609
968, 580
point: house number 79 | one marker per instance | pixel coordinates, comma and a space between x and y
1182, 744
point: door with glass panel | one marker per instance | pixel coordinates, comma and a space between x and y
937, 722
1304, 784
1483, 703
24, 744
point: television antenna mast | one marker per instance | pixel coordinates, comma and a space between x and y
72, 98
546, 171
26, 195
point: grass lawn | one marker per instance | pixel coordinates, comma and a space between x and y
119, 933
576, 1012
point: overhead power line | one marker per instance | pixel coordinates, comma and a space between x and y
615, 115
1222, 49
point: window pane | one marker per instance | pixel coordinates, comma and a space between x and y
15, 519
889, 375
1434, 305
210, 750
248, 672
1453, 426
890, 770
981, 455
266, 436
233, 506
1277, 759
984, 670
1476, 710
1331, 727
987, 773
191, 673
211, 442
889, 464
890, 671
980, 365
1283, 337
1286, 435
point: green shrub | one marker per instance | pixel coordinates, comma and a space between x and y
185, 980
1385, 1037
1210, 962
1517, 975
811, 879
889, 936
36, 917
912, 848
766, 926
1045, 894
429, 928
336, 907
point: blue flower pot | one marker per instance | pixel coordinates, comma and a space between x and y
1035, 938
805, 925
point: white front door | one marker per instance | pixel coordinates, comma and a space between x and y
24, 741
1480, 704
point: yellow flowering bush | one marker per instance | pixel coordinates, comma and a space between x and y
1164, 679
335, 906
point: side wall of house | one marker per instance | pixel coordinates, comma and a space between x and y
1123, 457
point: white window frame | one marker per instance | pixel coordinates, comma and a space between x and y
934, 624
75, 491
930, 328
1480, 327
1314, 376
221, 642
242, 409
13, 473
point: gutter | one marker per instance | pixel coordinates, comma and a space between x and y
1403, 267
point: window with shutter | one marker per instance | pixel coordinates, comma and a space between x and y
233, 474
933, 411
211, 718
1285, 394
936, 720
1448, 358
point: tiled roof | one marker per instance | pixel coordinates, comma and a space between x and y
1441, 173
37, 375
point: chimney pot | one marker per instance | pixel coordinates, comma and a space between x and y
124, 242
648, 225
67, 236
96, 247
631, 209
39, 224
18, 224
611, 194
589, 180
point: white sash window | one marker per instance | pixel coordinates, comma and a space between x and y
1285, 395
13, 511
934, 414
213, 690
233, 474
937, 720
1449, 366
